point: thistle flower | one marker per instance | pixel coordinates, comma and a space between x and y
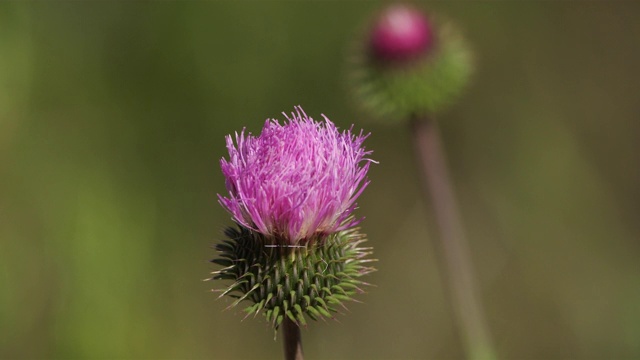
292, 192
296, 180
409, 64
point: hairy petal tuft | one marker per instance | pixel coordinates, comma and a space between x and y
296, 180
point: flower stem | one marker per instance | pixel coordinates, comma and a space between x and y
292, 340
455, 254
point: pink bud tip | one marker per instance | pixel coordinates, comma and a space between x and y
401, 33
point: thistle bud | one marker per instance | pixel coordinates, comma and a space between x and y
409, 64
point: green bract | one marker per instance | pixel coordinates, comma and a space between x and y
422, 86
284, 280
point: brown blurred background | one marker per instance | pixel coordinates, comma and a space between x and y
112, 118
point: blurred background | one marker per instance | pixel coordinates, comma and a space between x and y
112, 123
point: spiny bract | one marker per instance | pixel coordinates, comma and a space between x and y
281, 280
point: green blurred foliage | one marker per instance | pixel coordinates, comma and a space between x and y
112, 117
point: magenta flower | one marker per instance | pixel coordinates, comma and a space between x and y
297, 180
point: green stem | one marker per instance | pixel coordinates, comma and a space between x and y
455, 254
292, 340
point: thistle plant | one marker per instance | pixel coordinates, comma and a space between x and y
406, 69
296, 251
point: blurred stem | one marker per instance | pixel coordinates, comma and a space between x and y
292, 340
455, 255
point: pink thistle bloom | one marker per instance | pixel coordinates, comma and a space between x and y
297, 180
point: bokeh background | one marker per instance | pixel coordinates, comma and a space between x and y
112, 118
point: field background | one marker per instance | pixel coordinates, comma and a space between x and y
112, 123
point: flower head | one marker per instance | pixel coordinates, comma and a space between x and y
292, 191
408, 63
297, 180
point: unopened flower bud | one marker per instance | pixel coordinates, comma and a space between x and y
409, 64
